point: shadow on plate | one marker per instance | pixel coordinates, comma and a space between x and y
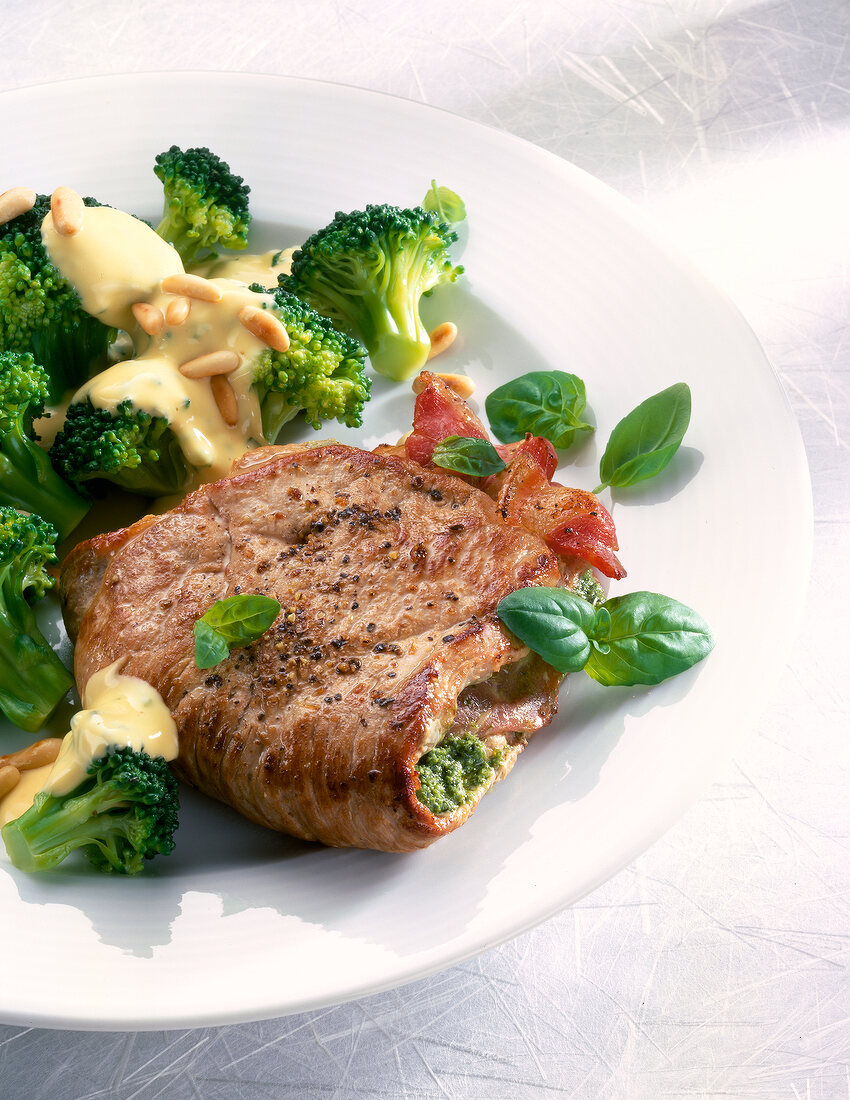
405, 903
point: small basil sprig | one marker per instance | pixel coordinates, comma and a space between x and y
643, 442
465, 455
639, 638
553, 622
445, 203
544, 402
234, 621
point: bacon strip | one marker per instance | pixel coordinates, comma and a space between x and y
573, 522
439, 412
540, 449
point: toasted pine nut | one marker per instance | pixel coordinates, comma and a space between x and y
177, 310
33, 756
462, 385
225, 398
192, 286
149, 318
442, 337
68, 211
9, 776
16, 201
205, 366
419, 383
265, 326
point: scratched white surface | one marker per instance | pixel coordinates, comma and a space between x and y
717, 964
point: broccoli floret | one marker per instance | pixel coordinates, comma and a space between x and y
40, 312
367, 271
32, 678
127, 446
320, 374
27, 479
206, 205
122, 814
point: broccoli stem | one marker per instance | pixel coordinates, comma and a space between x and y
179, 239
397, 340
389, 326
32, 678
29, 482
52, 828
396, 356
277, 411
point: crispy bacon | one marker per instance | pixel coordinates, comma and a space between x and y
572, 522
439, 412
540, 449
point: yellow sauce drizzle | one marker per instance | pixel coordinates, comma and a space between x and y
118, 711
115, 261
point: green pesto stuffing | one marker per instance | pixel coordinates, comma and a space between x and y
451, 772
589, 588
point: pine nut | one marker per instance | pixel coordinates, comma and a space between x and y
462, 385
33, 756
68, 211
192, 286
442, 337
16, 201
265, 326
205, 366
9, 776
177, 311
225, 398
149, 318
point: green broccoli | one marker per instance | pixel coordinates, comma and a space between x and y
367, 271
206, 205
40, 312
126, 445
320, 374
123, 813
27, 479
32, 678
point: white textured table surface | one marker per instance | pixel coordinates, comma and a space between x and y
717, 963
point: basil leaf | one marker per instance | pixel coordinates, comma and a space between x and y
445, 203
234, 621
643, 442
646, 639
243, 618
640, 638
553, 622
547, 403
465, 455
210, 647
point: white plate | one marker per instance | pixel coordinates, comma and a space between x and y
243, 924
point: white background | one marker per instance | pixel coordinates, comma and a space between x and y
716, 965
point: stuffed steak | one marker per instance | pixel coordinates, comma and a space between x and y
386, 698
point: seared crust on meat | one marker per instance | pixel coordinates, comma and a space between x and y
83, 569
388, 578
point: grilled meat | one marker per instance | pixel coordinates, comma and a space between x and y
388, 577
